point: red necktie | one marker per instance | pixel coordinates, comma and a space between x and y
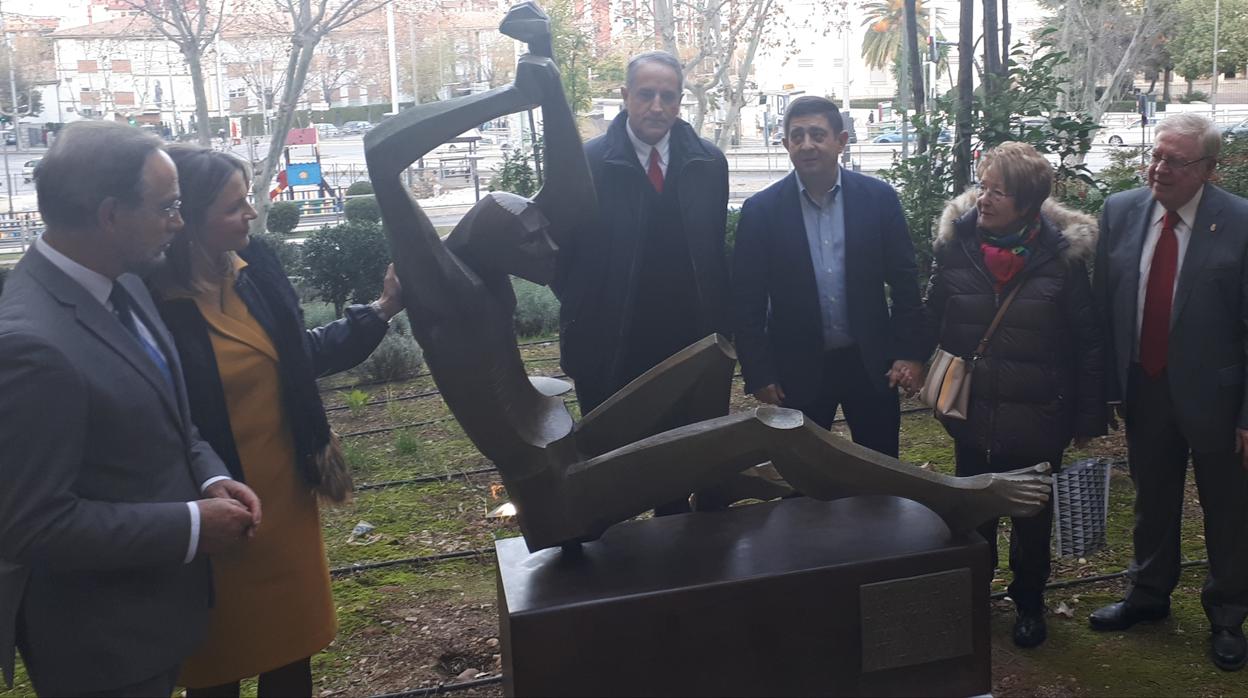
1155, 330
654, 171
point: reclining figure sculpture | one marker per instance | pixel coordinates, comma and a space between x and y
570, 481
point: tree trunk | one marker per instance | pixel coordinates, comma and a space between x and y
1190, 86
966, 93
1126, 66
1005, 37
194, 63
915, 65
992, 50
665, 25
698, 118
297, 72
1167, 78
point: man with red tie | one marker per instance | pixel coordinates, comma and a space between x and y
1171, 277
651, 278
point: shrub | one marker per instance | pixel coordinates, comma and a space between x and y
356, 400
4, 271
345, 263
360, 188
730, 232
283, 217
1195, 96
537, 310
363, 210
317, 314
1232, 173
287, 253
397, 358
516, 174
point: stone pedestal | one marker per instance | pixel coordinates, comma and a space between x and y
860, 596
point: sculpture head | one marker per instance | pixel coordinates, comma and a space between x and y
506, 233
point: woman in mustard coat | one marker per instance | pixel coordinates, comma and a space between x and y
251, 372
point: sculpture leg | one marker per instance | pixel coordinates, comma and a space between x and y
628, 480
696, 377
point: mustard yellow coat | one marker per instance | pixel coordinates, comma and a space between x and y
273, 600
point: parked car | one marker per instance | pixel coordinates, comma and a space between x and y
326, 130
355, 127
1238, 130
10, 137
895, 137
28, 170
1133, 134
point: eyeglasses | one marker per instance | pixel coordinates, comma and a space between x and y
171, 211
1175, 163
994, 194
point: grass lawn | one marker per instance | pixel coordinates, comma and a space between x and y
415, 626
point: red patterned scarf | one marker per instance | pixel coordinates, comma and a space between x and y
1006, 255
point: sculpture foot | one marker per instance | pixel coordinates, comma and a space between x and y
1022, 492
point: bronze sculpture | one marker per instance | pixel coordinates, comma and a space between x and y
570, 481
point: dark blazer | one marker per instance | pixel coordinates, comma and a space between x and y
596, 278
779, 330
100, 457
1205, 364
303, 356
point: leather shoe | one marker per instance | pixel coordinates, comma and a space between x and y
1121, 615
1030, 630
1227, 647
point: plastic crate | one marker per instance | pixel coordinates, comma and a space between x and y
1080, 507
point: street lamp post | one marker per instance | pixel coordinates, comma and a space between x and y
1213, 84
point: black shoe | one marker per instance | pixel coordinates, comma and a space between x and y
1030, 630
1121, 615
1227, 647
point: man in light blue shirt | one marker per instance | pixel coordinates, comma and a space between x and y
814, 253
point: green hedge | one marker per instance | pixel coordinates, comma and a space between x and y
283, 217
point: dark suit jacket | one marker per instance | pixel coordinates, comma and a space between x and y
779, 330
100, 458
596, 278
1205, 363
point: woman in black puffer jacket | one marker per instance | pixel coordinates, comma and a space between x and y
1038, 385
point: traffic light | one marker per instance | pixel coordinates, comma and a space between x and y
133, 121
931, 49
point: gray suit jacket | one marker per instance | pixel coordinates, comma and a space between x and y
99, 459
1205, 363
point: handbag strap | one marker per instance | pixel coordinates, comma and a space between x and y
983, 343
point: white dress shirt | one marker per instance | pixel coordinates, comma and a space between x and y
664, 146
100, 287
1183, 234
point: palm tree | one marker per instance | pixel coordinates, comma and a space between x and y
885, 22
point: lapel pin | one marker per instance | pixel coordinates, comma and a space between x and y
1213, 228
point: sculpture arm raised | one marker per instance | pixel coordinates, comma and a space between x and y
429, 272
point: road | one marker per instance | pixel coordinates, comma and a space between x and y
751, 169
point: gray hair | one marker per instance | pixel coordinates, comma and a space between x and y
1193, 126
662, 58
90, 162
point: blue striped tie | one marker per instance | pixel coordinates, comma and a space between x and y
122, 308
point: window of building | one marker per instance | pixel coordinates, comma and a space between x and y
87, 67
121, 66
123, 99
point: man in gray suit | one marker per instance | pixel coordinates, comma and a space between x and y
1172, 281
110, 502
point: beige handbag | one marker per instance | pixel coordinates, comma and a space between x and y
947, 389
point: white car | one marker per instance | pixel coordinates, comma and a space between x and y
1132, 134
326, 130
